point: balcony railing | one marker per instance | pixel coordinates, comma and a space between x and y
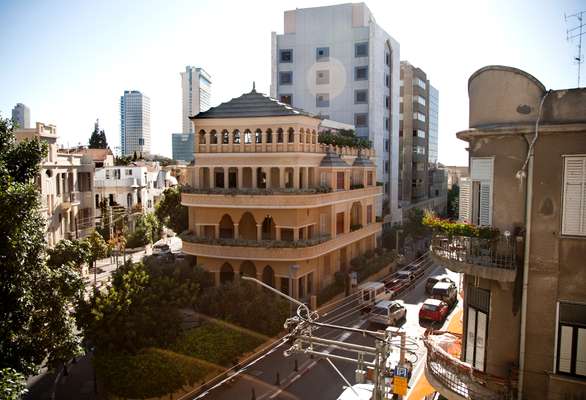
447, 373
478, 256
256, 192
190, 237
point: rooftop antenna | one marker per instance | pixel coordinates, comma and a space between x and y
576, 32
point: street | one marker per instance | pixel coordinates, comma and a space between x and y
274, 376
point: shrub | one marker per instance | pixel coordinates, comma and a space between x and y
450, 228
216, 344
152, 372
379, 183
355, 227
357, 186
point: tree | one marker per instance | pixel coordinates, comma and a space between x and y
453, 202
98, 138
134, 157
74, 252
35, 324
170, 212
97, 248
147, 231
12, 384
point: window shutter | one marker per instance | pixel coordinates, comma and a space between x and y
574, 213
464, 202
484, 215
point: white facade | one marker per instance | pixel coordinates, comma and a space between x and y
135, 123
196, 89
133, 187
65, 183
344, 66
21, 115
433, 125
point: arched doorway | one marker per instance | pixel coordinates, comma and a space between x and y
226, 273
269, 230
247, 268
268, 275
129, 201
226, 227
247, 227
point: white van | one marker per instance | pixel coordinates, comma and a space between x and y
371, 293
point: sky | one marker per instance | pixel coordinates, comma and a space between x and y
70, 61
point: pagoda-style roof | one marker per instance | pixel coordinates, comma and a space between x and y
332, 159
252, 104
362, 161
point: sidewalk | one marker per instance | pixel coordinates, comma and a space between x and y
422, 387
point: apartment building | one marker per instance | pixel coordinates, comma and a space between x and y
269, 201
524, 290
337, 62
136, 187
135, 123
65, 183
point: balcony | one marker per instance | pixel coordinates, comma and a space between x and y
273, 250
70, 199
455, 379
273, 198
494, 259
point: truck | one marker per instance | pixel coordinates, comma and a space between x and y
370, 293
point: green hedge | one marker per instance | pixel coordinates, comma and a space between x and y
451, 228
216, 343
371, 263
333, 289
152, 372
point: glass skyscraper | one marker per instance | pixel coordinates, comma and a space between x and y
135, 123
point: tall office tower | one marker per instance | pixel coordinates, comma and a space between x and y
433, 125
182, 145
196, 89
135, 123
414, 122
21, 115
336, 61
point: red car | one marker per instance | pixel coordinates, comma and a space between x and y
395, 284
433, 310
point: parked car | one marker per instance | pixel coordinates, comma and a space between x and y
446, 292
371, 293
396, 285
161, 249
417, 269
432, 280
433, 310
387, 313
406, 275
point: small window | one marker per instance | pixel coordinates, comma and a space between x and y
322, 77
387, 123
107, 174
322, 54
287, 99
361, 73
286, 56
322, 100
361, 120
387, 59
361, 49
286, 78
387, 80
360, 96
128, 172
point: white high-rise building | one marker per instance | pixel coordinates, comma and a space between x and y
21, 115
433, 125
336, 61
196, 89
135, 123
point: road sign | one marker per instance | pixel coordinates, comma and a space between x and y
400, 385
401, 371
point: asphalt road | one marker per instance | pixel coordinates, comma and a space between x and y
274, 376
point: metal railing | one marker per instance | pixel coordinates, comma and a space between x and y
257, 192
462, 378
499, 252
189, 237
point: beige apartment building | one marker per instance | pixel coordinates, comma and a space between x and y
66, 186
525, 291
269, 201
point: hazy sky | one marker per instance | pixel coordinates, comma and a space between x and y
70, 61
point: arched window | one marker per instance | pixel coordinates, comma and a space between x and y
236, 138
291, 136
225, 137
268, 276
269, 135
247, 268
202, 137
247, 136
280, 135
226, 273
258, 136
214, 137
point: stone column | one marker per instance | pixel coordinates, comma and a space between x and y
226, 177
230, 142
236, 233
295, 234
277, 232
195, 182
254, 183
217, 231
258, 231
333, 222
305, 177
208, 141
282, 177
296, 177
263, 141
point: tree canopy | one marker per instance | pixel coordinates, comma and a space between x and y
170, 212
35, 323
98, 138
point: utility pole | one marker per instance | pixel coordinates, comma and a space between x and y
576, 32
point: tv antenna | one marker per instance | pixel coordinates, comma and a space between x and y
576, 32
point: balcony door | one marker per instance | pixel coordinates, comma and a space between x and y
477, 326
